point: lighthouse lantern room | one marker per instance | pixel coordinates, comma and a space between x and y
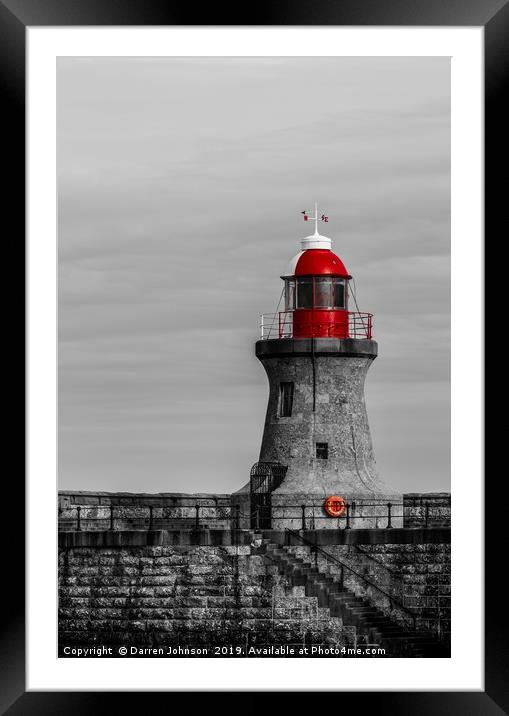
316, 295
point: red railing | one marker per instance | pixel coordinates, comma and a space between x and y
360, 325
280, 325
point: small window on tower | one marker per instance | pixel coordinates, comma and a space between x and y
322, 451
285, 400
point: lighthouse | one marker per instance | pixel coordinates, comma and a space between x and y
316, 450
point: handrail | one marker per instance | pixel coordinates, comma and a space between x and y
350, 569
93, 517
280, 324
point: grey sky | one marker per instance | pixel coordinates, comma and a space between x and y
180, 186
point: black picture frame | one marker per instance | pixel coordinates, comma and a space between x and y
15, 17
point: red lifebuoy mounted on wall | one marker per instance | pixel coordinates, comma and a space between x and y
335, 506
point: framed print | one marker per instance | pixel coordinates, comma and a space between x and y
251, 249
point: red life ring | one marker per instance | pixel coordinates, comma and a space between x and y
335, 506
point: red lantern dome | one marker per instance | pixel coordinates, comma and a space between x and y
320, 262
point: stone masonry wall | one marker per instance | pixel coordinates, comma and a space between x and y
168, 510
72, 498
424, 575
184, 595
435, 507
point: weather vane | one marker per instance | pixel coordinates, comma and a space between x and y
315, 218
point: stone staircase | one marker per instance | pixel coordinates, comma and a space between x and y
373, 626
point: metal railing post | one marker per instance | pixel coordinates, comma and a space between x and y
347, 526
303, 508
237, 517
197, 517
151, 518
112, 518
389, 516
78, 522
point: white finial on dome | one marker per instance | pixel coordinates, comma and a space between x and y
316, 240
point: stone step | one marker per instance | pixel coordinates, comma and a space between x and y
307, 571
347, 598
393, 631
365, 612
377, 619
275, 549
332, 586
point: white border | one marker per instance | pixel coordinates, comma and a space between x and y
464, 671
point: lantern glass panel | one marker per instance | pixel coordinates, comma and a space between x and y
305, 292
290, 294
339, 293
323, 292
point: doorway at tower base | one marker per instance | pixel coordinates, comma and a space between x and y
360, 511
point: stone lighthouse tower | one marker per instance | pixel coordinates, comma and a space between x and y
316, 350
